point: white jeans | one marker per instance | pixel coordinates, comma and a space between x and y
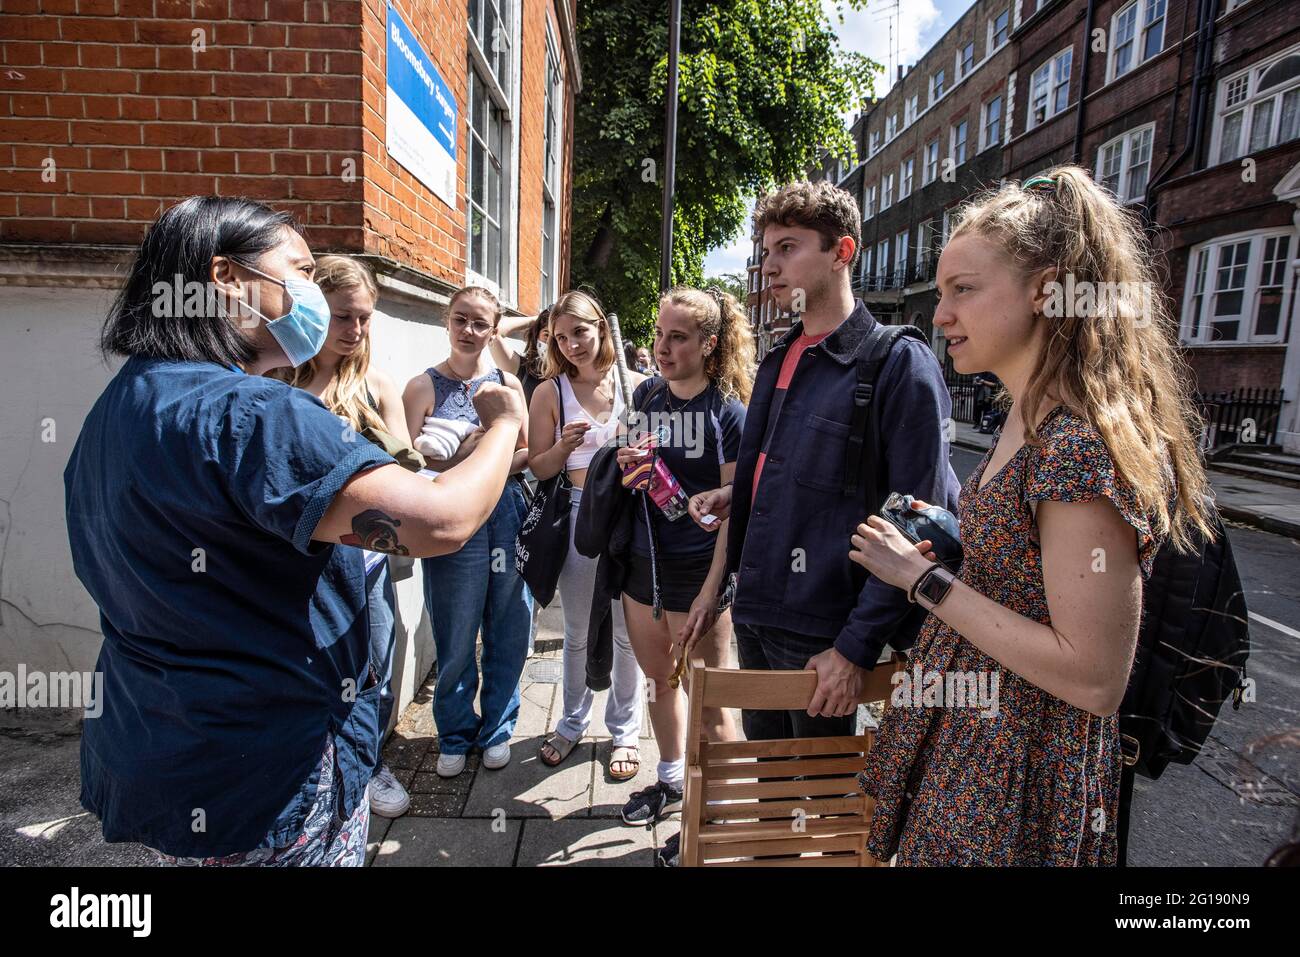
624, 704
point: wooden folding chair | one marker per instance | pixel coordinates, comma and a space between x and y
788, 803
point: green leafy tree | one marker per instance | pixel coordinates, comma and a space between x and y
732, 282
763, 86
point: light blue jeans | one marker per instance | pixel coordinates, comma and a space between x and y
472, 589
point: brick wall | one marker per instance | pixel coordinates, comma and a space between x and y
137, 109
139, 103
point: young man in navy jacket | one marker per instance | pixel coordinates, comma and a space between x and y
800, 602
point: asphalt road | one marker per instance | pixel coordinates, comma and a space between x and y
1240, 799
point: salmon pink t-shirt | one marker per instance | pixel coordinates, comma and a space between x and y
788, 364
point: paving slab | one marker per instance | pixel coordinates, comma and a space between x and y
535, 702
426, 842
578, 842
528, 788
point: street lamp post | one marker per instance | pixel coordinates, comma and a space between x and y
670, 147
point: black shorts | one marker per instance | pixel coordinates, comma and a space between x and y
680, 579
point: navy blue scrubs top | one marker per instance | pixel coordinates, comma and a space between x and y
233, 645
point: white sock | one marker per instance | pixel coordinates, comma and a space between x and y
673, 772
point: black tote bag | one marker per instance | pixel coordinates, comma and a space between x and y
543, 540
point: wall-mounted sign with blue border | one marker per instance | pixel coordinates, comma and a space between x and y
420, 132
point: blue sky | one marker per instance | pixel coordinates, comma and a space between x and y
920, 23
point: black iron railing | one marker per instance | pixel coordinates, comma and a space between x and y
1247, 416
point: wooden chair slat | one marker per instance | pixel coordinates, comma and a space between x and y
784, 809
796, 845
727, 790
783, 769
723, 833
717, 751
781, 690
833, 860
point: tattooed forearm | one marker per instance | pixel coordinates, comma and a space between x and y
376, 531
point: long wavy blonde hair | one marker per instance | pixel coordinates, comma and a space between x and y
345, 394
1116, 366
730, 366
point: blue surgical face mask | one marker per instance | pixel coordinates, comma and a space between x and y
301, 332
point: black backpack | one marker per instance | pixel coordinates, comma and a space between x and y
864, 459
1191, 654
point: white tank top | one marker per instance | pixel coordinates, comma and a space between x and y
599, 434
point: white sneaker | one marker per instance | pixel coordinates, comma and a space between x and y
497, 756
450, 765
387, 796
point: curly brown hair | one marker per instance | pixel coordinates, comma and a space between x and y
821, 206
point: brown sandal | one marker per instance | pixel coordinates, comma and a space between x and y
561, 745
625, 754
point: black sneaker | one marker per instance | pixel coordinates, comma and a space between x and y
648, 806
669, 854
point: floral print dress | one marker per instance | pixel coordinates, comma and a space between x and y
1035, 782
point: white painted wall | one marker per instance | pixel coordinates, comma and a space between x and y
51, 369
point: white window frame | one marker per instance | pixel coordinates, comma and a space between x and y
947, 227
871, 201
1251, 98
960, 74
887, 192
929, 170
882, 259
991, 45
910, 109
901, 242
507, 102
1049, 73
906, 169
985, 142
1143, 22
1125, 143
873, 143
891, 126
1208, 269
941, 77
549, 286
965, 142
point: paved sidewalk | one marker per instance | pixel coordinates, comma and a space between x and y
525, 814
1273, 508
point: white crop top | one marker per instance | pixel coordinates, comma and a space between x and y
596, 436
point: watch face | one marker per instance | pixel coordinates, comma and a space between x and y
934, 588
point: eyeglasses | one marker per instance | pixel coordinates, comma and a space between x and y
476, 326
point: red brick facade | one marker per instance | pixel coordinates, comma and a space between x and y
139, 103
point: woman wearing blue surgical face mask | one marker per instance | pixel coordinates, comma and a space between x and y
206, 507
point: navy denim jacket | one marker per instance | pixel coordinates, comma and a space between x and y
791, 547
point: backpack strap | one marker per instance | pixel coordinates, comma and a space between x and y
860, 469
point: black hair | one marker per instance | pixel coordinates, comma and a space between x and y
182, 241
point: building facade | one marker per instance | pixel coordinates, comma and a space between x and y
1188, 110
431, 139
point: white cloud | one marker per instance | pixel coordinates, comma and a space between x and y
868, 32
730, 258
